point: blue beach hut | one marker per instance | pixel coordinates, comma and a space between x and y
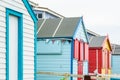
56, 46
115, 59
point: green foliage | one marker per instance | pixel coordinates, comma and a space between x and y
63, 79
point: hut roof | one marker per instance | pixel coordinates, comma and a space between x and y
72, 27
58, 27
97, 41
115, 49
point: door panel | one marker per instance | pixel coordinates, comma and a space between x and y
13, 47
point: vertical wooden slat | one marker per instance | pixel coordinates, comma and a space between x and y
76, 49
81, 51
86, 51
93, 60
80, 69
99, 61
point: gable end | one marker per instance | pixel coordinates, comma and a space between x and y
30, 11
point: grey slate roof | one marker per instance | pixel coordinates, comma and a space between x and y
96, 41
51, 27
115, 49
92, 33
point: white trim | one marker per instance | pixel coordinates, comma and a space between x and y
90, 39
41, 26
57, 27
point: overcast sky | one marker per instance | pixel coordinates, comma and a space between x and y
100, 16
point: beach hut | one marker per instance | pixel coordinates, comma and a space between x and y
57, 41
100, 55
44, 12
17, 40
115, 59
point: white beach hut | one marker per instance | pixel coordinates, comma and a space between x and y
17, 40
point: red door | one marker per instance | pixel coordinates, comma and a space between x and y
92, 60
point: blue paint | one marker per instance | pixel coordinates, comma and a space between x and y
80, 32
7, 46
45, 14
54, 63
115, 60
85, 31
85, 68
35, 51
20, 42
33, 16
72, 53
52, 48
28, 7
75, 68
76, 30
114, 79
48, 15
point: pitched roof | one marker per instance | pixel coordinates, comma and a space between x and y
48, 11
33, 4
96, 41
58, 27
92, 33
115, 49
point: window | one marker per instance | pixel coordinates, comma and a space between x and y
39, 15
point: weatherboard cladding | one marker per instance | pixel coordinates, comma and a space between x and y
97, 41
28, 41
62, 59
53, 62
115, 63
115, 60
66, 28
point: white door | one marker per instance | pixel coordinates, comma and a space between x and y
13, 47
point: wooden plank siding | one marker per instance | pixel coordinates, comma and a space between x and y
54, 62
93, 64
100, 62
28, 38
2, 45
115, 64
75, 68
92, 61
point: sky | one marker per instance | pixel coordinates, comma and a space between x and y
100, 16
